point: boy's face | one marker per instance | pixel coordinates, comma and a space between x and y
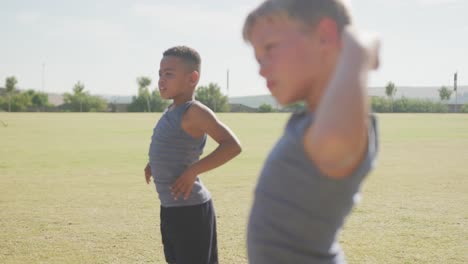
174, 77
289, 58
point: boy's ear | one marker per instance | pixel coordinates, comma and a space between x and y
194, 78
327, 30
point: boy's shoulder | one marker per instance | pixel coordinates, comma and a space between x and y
198, 119
198, 110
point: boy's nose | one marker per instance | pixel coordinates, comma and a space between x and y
264, 67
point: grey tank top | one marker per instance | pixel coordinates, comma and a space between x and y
297, 211
171, 152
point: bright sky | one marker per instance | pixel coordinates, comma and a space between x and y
107, 44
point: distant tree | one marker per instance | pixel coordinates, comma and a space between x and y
40, 100
212, 97
445, 93
401, 105
3, 103
265, 108
79, 94
16, 101
20, 102
143, 91
145, 101
82, 101
94, 104
138, 104
380, 104
415, 105
464, 108
390, 91
158, 104
10, 87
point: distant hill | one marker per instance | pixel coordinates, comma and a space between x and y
254, 101
241, 108
117, 99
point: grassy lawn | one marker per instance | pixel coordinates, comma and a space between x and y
72, 189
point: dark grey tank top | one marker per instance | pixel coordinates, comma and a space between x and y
297, 211
171, 152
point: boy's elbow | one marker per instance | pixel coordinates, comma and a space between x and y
336, 156
237, 148
325, 150
231, 146
333, 145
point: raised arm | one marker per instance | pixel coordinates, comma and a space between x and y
337, 139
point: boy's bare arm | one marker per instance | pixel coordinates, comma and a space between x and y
197, 121
337, 140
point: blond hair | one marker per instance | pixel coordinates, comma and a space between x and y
308, 12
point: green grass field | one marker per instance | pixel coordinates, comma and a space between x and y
72, 190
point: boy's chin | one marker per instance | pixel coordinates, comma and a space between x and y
165, 97
283, 101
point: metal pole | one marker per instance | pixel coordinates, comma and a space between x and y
456, 93
43, 78
227, 82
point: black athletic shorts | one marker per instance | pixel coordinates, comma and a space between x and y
189, 234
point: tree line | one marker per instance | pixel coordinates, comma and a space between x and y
80, 100
389, 104
413, 105
146, 101
14, 101
149, 100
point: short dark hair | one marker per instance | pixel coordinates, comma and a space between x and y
309, 12
189, 55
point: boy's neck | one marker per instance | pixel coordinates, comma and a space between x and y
313, 98
318, 90
183, 99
